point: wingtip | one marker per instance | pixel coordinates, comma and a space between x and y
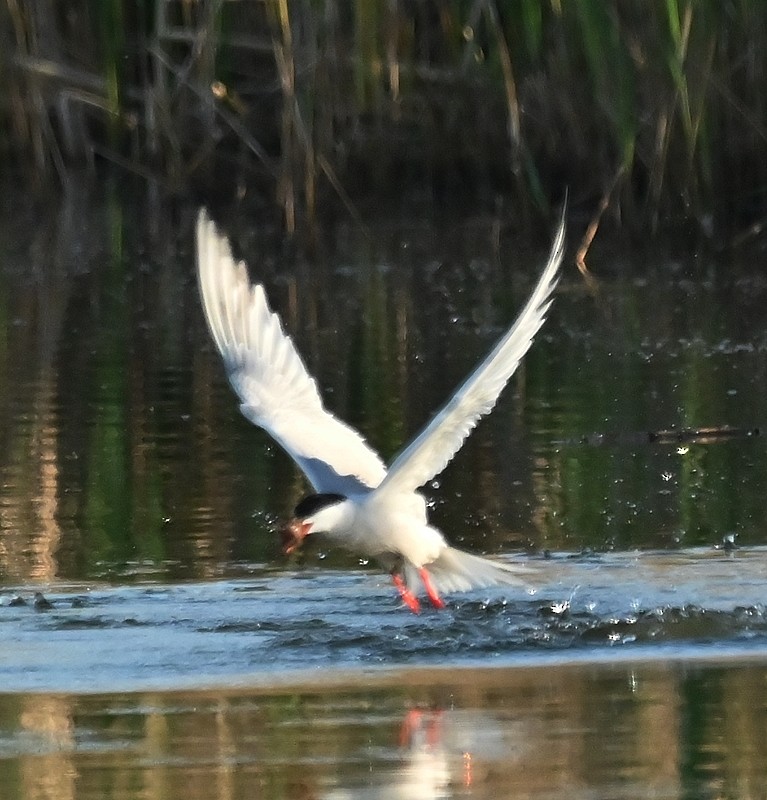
552, 272
558, 245
203, 219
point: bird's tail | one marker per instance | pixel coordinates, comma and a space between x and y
456, 571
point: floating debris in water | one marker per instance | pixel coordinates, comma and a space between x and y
41, 603
683, 436
728, 543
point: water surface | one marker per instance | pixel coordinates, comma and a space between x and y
173, 650
575, 731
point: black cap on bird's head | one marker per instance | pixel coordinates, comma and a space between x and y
312, 503
296, 529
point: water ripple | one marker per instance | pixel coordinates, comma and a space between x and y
88, 638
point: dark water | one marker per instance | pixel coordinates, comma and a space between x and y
177, 652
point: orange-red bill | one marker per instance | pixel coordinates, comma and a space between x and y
292, 534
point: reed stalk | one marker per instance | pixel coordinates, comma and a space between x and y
634, 105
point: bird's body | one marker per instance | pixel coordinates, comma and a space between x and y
405, 522
358, 503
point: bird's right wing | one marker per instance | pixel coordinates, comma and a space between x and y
276, 391
430, 452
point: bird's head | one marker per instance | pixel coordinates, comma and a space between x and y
317, 513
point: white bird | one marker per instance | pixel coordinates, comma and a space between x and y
356, 502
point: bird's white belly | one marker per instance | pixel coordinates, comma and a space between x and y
397, 527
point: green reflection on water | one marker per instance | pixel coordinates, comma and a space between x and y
661, 730
124, 444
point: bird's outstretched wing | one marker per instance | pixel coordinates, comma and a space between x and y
430, 452
263, 366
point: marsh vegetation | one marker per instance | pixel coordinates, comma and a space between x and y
653, 111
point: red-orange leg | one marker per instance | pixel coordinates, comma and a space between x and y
436, 600
410, 600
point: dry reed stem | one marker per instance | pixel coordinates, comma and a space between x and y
593, 227
284, 58
343, 195
229, 118
512, 102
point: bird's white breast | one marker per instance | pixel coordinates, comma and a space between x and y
392, 525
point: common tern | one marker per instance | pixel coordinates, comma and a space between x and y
358, 503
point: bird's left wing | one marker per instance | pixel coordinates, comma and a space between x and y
276, 391
430, 452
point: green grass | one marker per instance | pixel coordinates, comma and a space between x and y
656, 109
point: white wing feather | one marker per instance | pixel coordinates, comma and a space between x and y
266, 371
429, 453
